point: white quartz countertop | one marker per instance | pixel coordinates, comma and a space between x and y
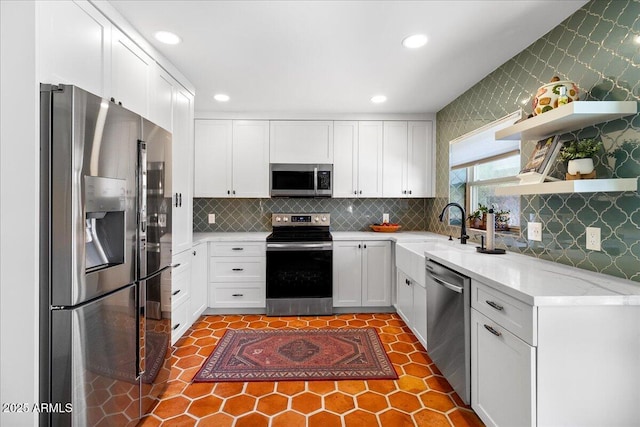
258, 236
531, 280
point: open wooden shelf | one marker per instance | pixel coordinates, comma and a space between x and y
575, 186
573, 116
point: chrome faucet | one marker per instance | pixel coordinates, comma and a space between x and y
463, 230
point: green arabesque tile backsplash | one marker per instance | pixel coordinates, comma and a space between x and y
596, 48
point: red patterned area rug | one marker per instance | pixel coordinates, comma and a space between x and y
288, 355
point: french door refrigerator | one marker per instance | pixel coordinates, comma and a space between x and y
93, 348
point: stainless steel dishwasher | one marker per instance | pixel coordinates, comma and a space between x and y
449, 325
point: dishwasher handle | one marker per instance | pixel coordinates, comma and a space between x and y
451, 286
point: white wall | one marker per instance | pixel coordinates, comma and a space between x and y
19, 174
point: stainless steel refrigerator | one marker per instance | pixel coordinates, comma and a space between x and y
94, 347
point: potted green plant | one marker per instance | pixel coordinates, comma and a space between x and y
580, 154
627, 157
478, 218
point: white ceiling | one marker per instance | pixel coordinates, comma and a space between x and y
333, 56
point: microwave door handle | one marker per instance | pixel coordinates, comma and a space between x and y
315, 180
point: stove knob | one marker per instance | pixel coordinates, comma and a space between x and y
317, 219
324, 219
278, 219
286, 219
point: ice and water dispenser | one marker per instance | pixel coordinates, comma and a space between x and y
105, 233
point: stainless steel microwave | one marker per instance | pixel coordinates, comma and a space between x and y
300, 180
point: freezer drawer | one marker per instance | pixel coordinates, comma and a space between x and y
94, 350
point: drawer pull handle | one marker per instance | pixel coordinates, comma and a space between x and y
237, 269
494, 305
176, 326
237, 249
493, 331
237, 295
176, 292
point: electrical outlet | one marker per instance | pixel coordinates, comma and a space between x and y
385, 217
593, 238
534, 231
212, 218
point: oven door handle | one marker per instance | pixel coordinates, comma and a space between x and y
315, 180
299, 246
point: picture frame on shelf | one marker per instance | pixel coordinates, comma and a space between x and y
541, 160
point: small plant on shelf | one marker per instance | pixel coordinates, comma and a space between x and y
502, 220
478, 218
579, 154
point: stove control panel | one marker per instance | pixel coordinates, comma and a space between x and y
300, 220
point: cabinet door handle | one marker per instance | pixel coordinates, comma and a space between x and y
228, 191
355, 191
177, 199
237, 269
410, 192
360, 191
237, 249
176, 326
495, 305
365, 246
493, 331
180, 199
176, 292
359, 246
237, 295
234, 191
194, 253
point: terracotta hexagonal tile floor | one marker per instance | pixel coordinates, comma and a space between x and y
419, 397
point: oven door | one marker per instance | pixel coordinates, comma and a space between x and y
299, 270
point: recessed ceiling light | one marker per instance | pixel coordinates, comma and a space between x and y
637, 39
221, 97
415, 41
378, 99
167, 37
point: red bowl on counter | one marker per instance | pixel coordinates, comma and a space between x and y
385, 228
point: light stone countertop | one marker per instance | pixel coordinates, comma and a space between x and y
531, 280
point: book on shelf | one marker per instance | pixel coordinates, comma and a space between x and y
539, 165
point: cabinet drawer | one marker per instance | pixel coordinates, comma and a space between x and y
238, 249
514, 315
231, 269
236, 295
180, 281
179, 316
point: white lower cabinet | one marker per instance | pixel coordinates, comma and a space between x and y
180, 294
411, 304
534, 365
237, 275
361, 273
503, 375
199, 268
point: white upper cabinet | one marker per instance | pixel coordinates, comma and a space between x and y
231, 158
74, 45
130, 72
370, 159
213, 157
395, 155
182, 170
161, 98
301, 142
408, 159
421, 160
250, 158
357, 166
345, 160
